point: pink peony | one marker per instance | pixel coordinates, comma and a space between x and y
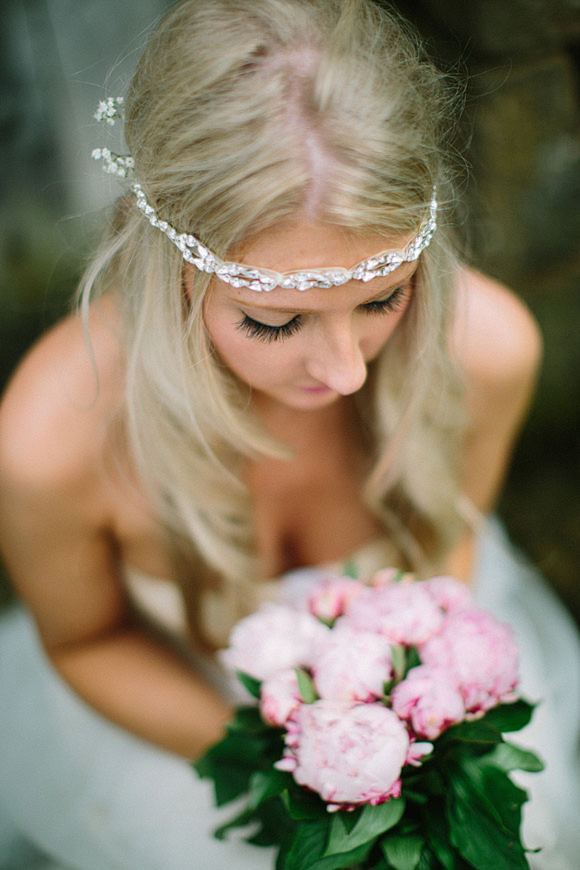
430, 699
348, 754
352, 665
279, 697
481, 654
387, 575
405, 613
417, 752
329, 599
273, 638
449, 593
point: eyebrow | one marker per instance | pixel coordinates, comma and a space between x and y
379, 295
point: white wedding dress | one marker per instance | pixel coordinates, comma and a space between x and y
77, 792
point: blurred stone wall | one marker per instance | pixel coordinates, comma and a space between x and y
58, 58
522, 133
522, 60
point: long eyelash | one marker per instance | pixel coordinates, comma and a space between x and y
265, 332
393, 303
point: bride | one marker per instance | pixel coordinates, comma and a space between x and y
279, 363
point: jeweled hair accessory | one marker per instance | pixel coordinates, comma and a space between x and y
238, 274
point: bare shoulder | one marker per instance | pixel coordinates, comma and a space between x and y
496, 339
56, 409
498, 347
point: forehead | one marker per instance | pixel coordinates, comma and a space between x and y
303, 245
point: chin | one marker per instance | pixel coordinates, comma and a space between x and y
310, 401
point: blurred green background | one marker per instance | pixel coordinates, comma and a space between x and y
521, 134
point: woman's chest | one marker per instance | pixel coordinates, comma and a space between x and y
306, 511
310, 511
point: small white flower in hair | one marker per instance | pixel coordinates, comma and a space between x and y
109, 110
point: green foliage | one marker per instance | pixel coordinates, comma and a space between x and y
306, 686
372, 822
510, 717
403, 852
458, 811
251, 683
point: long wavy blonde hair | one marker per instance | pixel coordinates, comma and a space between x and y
240, 115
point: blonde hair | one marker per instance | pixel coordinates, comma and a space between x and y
240, 115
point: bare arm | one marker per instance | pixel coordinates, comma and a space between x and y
56, 541
498, 347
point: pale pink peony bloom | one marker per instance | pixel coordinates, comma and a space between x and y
482, 655
430, 699
417, 752
405, 613
279, 697
352, 665
349, 754
329, 599
449, 593
273, 638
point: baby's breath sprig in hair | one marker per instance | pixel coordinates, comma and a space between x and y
114, 164
109, 111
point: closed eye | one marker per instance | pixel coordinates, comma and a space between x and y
267, 332
393, 303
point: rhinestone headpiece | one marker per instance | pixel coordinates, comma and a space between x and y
238, 274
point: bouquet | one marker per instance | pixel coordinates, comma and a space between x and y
376, 737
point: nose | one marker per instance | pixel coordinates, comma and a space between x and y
336, 359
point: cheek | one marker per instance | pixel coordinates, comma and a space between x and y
378, 332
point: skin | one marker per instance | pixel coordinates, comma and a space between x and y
69, 520
331, 334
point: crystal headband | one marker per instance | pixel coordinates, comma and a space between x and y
238, 274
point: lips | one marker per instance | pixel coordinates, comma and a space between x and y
319, 388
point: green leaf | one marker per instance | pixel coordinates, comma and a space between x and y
507, 797
302, 804
420, 785
248, 746
236, 749
343, 861
403, 852
484, 812
248, 719
306, 686
399, 661
230, 780
251, 683
307, 845
242, 819
442, 850
510, 717
429, 861
264, 784
436, 830
349, 569
479, 735
372, 822
277, 828
509, 757
413, 660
